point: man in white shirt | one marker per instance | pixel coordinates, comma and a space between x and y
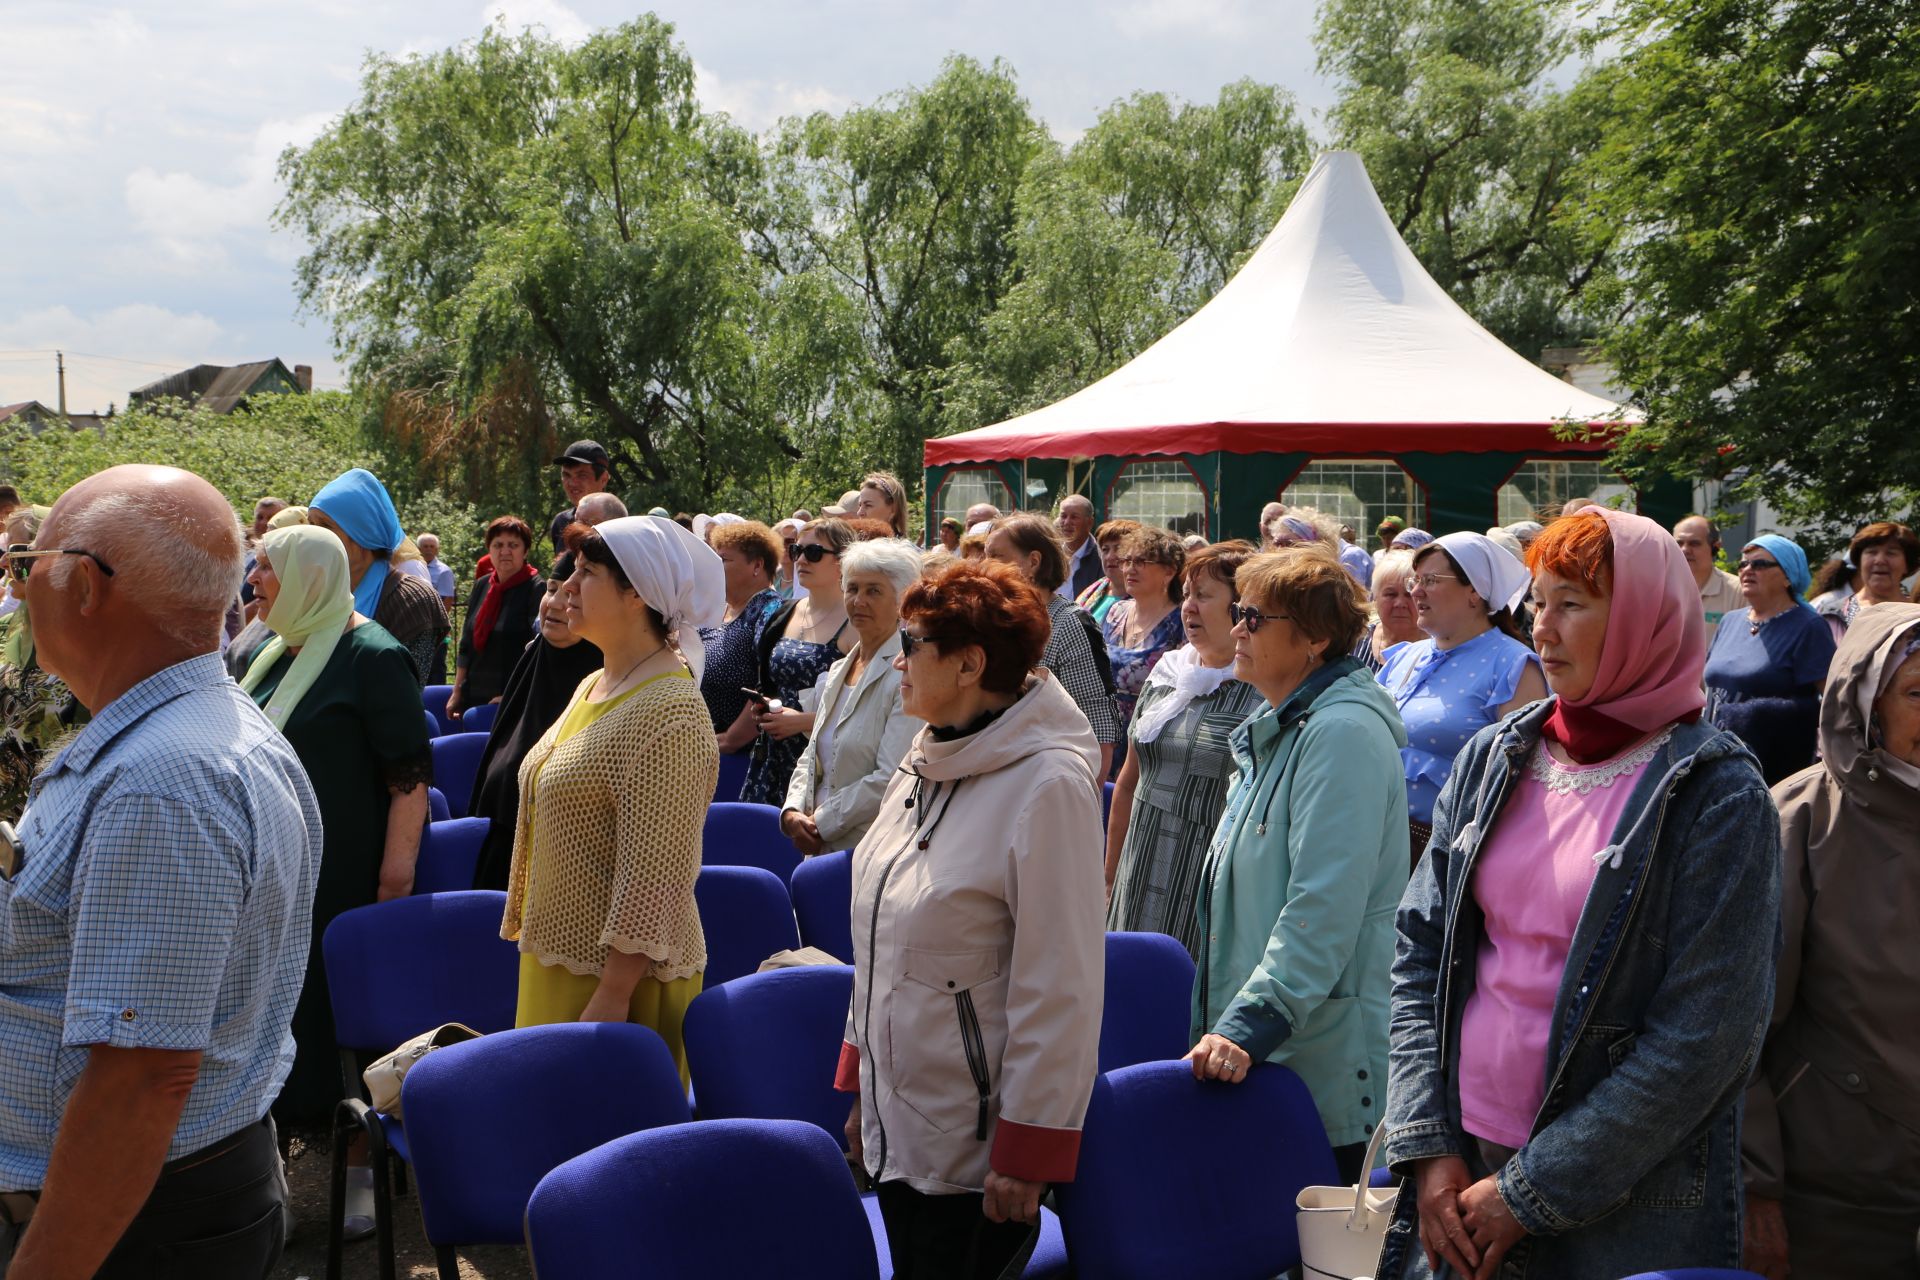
1074, 519
1699, 540
439, 573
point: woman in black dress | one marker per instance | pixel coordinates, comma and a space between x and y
501, 618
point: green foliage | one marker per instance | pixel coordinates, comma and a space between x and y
1761, 175
30, 729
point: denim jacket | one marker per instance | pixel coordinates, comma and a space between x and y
1633, 1162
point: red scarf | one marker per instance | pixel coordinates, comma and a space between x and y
492, 603
1591, 736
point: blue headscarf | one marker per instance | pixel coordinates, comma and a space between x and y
1792, 560
359, 504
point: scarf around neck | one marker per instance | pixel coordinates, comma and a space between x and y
485, 618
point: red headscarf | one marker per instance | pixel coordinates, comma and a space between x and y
1654, 651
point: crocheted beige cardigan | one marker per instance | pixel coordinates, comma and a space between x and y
613, 841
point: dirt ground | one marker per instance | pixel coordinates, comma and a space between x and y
305, 1257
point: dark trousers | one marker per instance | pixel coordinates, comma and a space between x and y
949, 1238
1347, 1160
215, 1214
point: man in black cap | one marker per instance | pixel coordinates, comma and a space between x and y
583, 470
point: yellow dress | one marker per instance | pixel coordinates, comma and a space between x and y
548, 992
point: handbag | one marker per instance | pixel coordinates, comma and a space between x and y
1342, 1229
389, 1070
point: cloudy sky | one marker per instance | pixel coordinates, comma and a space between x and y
138, 142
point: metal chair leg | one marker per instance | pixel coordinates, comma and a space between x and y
344, 1124
449, 1264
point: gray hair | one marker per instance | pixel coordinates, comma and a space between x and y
588, 509
163, 556
1397, 565
895, 559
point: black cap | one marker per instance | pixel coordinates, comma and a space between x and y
583, 451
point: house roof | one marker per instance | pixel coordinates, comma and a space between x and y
221, 388
1331, 339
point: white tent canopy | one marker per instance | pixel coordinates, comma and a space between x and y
1332, 337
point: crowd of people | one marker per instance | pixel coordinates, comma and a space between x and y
1557, 860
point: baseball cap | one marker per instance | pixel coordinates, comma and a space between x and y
583, 451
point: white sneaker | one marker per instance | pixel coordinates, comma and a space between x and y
358, 1224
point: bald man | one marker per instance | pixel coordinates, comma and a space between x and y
1074, 519
982, 513
1699, 541
598, 508
157, 924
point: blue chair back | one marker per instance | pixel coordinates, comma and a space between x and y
733, 775
1173, 1169
433, 724
717, 1198
1697, 1273
1106, 803
437, 808
747, 835
449, 852
766, 1046
746, 916
1148, 993
398, 968
456, 761
822, 891
434, 699
479, 719
487, 1119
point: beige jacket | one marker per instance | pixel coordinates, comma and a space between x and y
1833, 1119
979, 953
870, 737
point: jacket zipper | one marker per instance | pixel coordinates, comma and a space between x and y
866, 1029
975, 1046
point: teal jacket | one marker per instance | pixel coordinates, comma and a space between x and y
1303, 879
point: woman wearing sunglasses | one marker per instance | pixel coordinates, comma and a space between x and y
797, 646
1769, 660
973, 1035
1306, 867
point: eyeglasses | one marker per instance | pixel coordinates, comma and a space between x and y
1427, 580
1130, 561
813, 553
909, 642
1245, 615
20, 558
1759, 565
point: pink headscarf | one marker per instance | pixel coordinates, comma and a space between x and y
1654, 652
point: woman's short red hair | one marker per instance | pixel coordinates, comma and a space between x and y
986, 603
1578, 548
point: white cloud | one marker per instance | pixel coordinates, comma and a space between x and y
757, 104
108, 352
559, 22
195, 221
1209, 18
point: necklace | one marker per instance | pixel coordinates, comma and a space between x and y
630, 670
1755, 622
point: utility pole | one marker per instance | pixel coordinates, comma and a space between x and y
60, 367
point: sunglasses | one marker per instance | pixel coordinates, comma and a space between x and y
20, 558
909, 642
1759, 565
1245, 615
813, 553
789, 544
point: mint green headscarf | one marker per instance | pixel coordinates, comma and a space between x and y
310, 613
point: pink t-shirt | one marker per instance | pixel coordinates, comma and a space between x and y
1531, 882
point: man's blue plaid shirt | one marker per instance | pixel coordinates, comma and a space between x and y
165, 903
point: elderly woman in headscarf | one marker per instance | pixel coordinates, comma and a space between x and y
1768, 662
1832, 1133
342, 691
1585, 961
356, 507
253, 637
614, 795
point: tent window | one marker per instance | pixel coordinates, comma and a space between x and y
1542, 487
962, 489
1359, 494
1159, 493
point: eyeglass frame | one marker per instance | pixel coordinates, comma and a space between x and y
812, 552
1759, 566
1415, 581
910, 642
1245, 615
21, 551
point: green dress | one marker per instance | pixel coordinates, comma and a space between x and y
357, 732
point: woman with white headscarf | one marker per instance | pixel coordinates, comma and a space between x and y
1472, 668
341, 689
614, 795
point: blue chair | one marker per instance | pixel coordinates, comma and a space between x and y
487, 1119
717, 1198
434, 699
766, 1046
822, 890
433, 725
395, 969
1048, 1262
437, 807
746, 916
1106, 803
478, 719
733, 775
747, 835
1149, 989
1242, 1153
449, 852
456, 761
